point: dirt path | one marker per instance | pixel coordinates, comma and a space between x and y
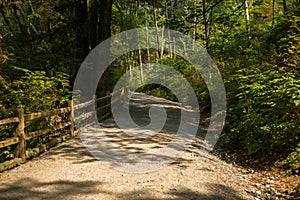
68, 171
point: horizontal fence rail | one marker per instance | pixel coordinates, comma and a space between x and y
9, 120
20, 137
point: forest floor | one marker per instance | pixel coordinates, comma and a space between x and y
69, 171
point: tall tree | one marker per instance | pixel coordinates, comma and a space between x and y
104, 32
147, 33
206, 24
285, 10
168, 26
104, 25
195, 23
156, 27
248, 19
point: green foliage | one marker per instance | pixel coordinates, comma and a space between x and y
34, 36
35, 92
263, 89
189, 73
266, 112
288, 44
292, 162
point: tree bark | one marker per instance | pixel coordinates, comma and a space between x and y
273, 15
139, 50
168, 26
248, 19
129, 64
156, 28
141, 65
105, 20
81, 14
147, 34
93, 23
285, 10
162, 43
104, 32
195, 22
206, 26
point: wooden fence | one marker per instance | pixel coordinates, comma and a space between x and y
20, 137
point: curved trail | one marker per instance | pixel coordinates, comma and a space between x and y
68, 171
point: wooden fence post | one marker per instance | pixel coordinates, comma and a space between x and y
95, 102
20, 132
124, 94
71, 118
108, 102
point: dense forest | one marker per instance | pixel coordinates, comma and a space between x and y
254, 43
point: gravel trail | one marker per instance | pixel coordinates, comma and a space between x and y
68, 171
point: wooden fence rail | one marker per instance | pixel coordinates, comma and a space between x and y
20, 136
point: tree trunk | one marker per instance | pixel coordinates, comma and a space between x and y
82, 35
81, 14
285, 10
105, 20
174, 48
104, 32
156, 29
93, 22
147, 34
162, 42
173, 44
195, 22
206, 26
248, 19
129, 64
273, 15
168, 26
141, 65
139, 49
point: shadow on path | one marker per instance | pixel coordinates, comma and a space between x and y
130, 145
215, 192
28, 189
33, 189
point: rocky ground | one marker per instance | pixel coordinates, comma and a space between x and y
70, 172
266, 181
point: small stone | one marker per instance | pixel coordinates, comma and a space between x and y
278, 194
247, 190
257, 184
271, 192
151, 186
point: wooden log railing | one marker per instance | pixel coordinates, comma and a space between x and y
20, 137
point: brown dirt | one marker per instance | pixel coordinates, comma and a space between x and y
68, 171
